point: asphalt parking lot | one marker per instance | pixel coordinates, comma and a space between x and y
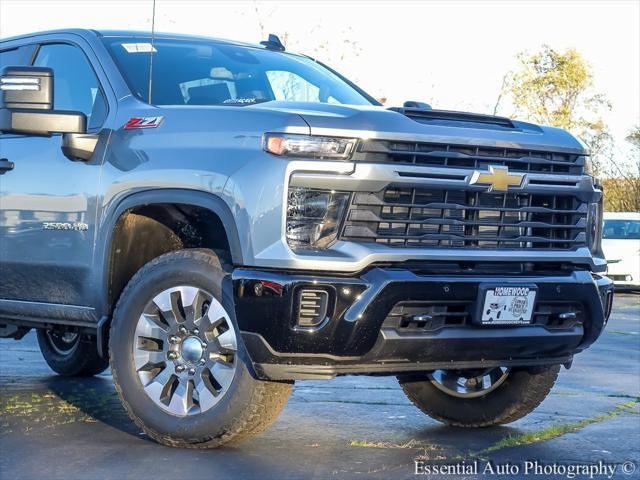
351, 427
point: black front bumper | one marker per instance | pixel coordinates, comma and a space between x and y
355, 339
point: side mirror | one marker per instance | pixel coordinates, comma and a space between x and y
26, 104
79, 146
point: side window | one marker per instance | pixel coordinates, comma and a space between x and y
75, 84
13, 57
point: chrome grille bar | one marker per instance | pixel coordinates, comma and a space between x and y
438, 217
470, 157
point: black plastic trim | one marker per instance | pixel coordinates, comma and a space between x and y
354, 341
454, 116
53, 312
206, 200
270, 365
102, 336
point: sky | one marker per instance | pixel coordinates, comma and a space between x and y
452, 54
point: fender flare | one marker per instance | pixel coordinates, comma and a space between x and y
209, 201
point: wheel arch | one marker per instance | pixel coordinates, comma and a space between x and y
112, 221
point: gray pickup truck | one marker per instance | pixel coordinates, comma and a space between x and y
215, 220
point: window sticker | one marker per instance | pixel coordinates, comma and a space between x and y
144, 47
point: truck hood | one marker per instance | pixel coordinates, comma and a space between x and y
426, 126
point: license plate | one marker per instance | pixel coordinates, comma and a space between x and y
508, 305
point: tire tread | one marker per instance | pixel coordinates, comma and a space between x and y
536, 390
267, 400
84, 362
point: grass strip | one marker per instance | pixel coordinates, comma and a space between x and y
555, 431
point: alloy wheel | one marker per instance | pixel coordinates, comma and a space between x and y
185, 350
63, 343
469, 383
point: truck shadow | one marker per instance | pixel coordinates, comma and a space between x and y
94, 400
90, 400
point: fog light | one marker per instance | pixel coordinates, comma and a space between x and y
312, 307
314, 217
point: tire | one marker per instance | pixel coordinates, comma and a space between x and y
71, 354
511, 397
176, 303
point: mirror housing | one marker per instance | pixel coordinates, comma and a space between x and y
26, 104
79, 146
26, 87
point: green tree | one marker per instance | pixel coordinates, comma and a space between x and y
556, 88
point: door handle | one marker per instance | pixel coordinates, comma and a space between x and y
5, 165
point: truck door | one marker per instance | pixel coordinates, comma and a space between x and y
48, 203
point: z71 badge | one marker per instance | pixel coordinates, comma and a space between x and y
143, 122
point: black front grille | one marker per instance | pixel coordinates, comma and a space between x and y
469, 157
411, 317
428, 316
456, 218
558, 314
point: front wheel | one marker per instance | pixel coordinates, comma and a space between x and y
177, 357
482, 397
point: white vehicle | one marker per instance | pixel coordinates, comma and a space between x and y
621, 246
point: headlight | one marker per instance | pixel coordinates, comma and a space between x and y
588, 165
594, 226
314, 217
309, 146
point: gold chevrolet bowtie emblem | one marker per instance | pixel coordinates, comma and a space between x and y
497, 178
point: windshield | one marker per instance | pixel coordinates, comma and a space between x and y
621, 229
193, 72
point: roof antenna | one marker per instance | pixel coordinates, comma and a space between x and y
153, 38
273, 43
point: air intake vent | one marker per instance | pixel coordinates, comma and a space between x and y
312, 307
414, 316
455, 119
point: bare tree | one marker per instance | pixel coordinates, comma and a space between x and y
622, 187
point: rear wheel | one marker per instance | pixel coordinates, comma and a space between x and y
177, 359
71, 353
481, 397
